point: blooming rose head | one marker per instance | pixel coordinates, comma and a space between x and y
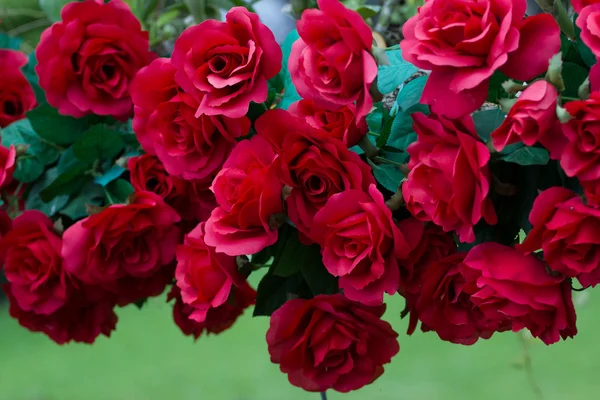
207, 279
532, 119
87, 60
202, 199
134, 239
587, 21
315, 165
581, 155
16, 95
514, 286
331, 63
249, 196
130, 289
230, 66
464, 42
578, 5
340, 123
8, 158
360, 243
449, 177
33, 266
217, 319
330, 342
166, 125
568, 231
88, 314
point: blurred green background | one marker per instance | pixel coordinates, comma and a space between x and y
147, 358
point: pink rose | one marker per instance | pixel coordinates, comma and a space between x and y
578, 5
230, 66
587, 21
464, 42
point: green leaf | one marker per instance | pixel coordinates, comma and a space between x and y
384, 134
496, 91
115, 172
375, 118
30, 74
290, 95
100, 142
22, 132
273, 291
318, 279
9, 42
402, 133
69, 182
410, 94
368, 11
68, 161
28, 169
528, 156
293, 256
91, 193
34, 200
573, 75
52, 8
389, 77
119, 190
578, 46
387, 175
56, 128
488, 121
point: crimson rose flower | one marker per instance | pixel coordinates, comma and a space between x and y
587, 21
568, 232
532, 119
88, 314
591, 189
330, 342
464, 42
86, 61
315, 165
217, 320
16, 94
341, 123
360, 243
166, 126
131, 289
208, 279
578, 5
8, 158
230, 66
123, 240
202, 199
331, 63
249, 197
514, 286
33, 266
595, 77
449, 177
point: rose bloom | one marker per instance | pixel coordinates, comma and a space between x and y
315, 165
568, 231
464, 42
122, 240
587, 21
595, 77
130, 289
578, 5
88, 314
217, 319
331, 63
30, 253
166, 125
341, 123
249, 197
449, 178
208, 279
330, 342
591, 189
16, 94
87, 60
532, 119
230, 66
8, 158
360, 243
202, 199
581, 155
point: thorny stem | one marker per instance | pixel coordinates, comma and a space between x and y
528, 367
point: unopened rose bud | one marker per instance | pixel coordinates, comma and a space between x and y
563, 115
21, 149
512, 87
554, 74
584, 90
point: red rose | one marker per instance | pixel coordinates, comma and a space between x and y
16, 94
587, 21
331, 63
86, 61
315, 165
207, 279
130, 289
532, 119
135, 240
202, 199
449, 177
511, 285
217, 319
581, 155
33, 266
230, 66
568, 232
595, 77
340, 123
8, 158
166, 126
464, 43
330, 342
578, 5
249, 197
87, 315
360, 243
591, 189
5, 224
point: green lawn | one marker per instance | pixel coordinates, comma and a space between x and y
148, 359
